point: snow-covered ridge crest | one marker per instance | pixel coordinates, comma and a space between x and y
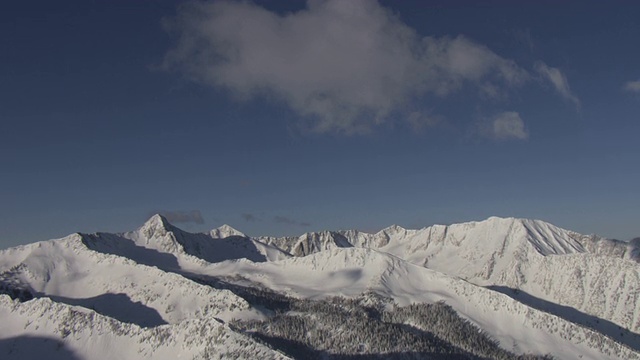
493, 233
69, 271
225, 231
534, 286
223, 243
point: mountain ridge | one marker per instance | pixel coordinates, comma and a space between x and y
581, 290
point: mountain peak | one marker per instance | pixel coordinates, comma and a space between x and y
545, 238
225, 231
156, 225
157, 221
502, 220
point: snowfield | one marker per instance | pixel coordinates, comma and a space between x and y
160, 292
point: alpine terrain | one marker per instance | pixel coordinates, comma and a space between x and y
502, 288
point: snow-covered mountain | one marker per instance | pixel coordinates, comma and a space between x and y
68, 271
225, 231
47, 329
354, 271
157, 234
590, 274
159, 291
597, 276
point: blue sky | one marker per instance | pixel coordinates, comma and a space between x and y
281, 117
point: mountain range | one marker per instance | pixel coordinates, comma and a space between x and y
502, 288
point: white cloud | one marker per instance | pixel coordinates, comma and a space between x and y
559, 81
345, 66
507, 125
633, 86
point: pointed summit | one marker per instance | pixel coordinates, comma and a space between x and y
156, 225
157, 221
225, 231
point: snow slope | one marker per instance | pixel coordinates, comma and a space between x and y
533, 256
352, 272
532, 286
67, 271
593, 275
45, 329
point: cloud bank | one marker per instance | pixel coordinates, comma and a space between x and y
344, 66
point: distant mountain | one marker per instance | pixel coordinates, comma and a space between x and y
160, 292
225, 231
159, 237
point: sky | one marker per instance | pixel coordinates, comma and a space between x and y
283, 117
